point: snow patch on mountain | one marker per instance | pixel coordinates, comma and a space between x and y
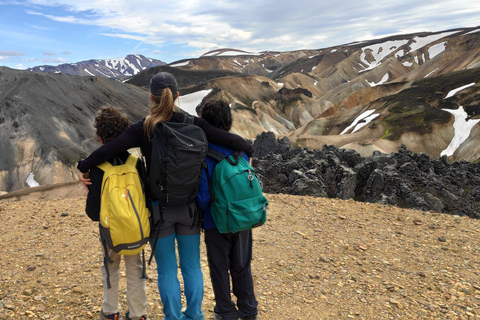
473, 31
430, 73
366, 116
451, 93
461, 128
379, 52
31, 180
436, 49
384, 79
180, 64
420, 42
189, 102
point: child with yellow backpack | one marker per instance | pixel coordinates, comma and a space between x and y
117, 200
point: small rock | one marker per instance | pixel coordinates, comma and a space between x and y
64, 214
442, 239
390, 288
396, 303
323, 259
28, 292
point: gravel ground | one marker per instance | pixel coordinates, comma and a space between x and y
315, 258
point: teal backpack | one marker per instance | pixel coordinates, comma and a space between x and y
237, 201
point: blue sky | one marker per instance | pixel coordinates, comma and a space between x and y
52, 32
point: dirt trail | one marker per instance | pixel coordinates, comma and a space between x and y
315, 258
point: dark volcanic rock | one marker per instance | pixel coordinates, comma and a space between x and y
402, 179
266, 144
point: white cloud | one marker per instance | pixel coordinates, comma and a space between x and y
11, 53
258, 25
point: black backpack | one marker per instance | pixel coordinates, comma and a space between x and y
177, 163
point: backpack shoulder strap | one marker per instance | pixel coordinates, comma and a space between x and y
105, 166
132, 160
214, 154
188, 119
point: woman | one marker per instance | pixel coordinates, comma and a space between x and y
177, 221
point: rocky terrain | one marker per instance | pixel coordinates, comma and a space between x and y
315, 258
402, 179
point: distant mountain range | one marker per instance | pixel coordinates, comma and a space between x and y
119, 68
420, 90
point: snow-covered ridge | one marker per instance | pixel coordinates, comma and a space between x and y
229, 52
108, 68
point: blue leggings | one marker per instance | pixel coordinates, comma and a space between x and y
168, 283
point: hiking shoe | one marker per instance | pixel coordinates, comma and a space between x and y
217, 316
127, 316
254, 317
115, 316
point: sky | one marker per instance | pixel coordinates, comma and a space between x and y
53, 32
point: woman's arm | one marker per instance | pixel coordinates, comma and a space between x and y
131, 138
92, 207
222, 137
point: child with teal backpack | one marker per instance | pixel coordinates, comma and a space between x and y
228, 253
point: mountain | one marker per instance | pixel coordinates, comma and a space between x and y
119, 68
46, 123
418, 90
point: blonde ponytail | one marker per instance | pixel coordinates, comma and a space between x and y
160, 111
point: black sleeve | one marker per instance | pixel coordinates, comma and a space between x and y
131, 138
225, 138
94, 194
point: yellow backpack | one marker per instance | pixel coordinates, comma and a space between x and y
124, 217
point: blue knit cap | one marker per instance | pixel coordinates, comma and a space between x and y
161, 81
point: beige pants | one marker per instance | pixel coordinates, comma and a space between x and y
136, 292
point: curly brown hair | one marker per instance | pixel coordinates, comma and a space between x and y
110, 122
